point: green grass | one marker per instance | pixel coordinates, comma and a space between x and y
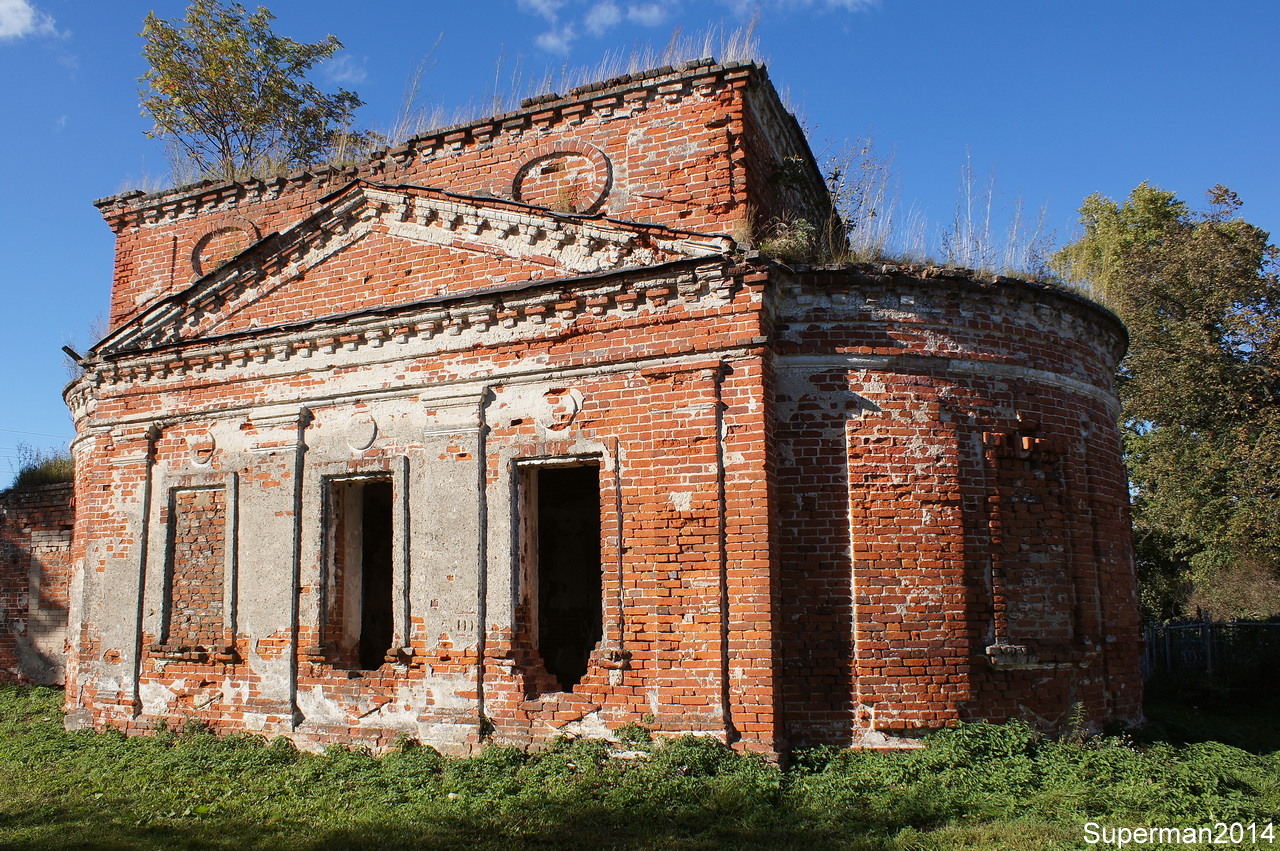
980, 787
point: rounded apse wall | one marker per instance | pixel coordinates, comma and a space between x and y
951, 486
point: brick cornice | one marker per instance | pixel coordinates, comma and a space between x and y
563, 242
432, 326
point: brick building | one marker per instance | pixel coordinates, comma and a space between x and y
506, 432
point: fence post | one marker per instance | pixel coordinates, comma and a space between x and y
1207, 634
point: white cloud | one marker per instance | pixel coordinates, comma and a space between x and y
19, 18
557, 39
646, 14
853, 5
343, 69
549, 9
846, 5
746, 8
570, 18
602, 17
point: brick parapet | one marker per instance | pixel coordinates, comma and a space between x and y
689, 172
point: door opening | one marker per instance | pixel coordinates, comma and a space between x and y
568, 578
360, 623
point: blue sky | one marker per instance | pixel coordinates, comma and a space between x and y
1059, 99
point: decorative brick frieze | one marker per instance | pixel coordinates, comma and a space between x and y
609, 301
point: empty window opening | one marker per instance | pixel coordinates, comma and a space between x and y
359, 624
568, 579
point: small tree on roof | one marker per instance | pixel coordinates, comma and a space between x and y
231, 97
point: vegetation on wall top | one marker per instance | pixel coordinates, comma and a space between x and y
231, 97
38, 467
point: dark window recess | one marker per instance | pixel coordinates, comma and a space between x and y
359, 622
569, 579
375, 580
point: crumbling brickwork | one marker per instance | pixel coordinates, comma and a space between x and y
354, 435
35, 574
961, 435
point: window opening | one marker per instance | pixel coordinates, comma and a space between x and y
360, 623
568, 576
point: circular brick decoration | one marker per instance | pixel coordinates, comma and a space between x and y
567, 178
222, 240
362, 431
201, 447
562, 406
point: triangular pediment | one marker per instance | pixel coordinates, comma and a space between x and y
341, 259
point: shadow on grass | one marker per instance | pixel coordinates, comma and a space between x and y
58, 826
1249, 723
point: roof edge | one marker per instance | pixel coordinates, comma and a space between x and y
958, 274
511, 289
134, 200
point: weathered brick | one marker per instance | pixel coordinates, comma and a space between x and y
838, 506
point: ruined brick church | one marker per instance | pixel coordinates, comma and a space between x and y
509, 433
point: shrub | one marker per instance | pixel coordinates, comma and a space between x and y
38, 467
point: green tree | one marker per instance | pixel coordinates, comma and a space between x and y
231, 97
1200, 388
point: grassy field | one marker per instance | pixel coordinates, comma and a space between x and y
977, 787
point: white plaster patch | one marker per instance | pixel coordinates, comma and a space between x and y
235, 695
391, 716
590, 725
319, 709
681, 501
444, 692
446, 737
157, 698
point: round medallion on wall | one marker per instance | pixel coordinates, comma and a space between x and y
200, 447
562, 406
362, 431
570, 178
224, 239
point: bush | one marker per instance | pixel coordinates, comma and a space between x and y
38, 467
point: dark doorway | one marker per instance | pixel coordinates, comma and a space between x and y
375, 581
568, 571
359, 624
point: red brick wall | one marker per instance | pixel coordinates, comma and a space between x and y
676, 143
838, 506
954, 507
35, 545
682, 654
